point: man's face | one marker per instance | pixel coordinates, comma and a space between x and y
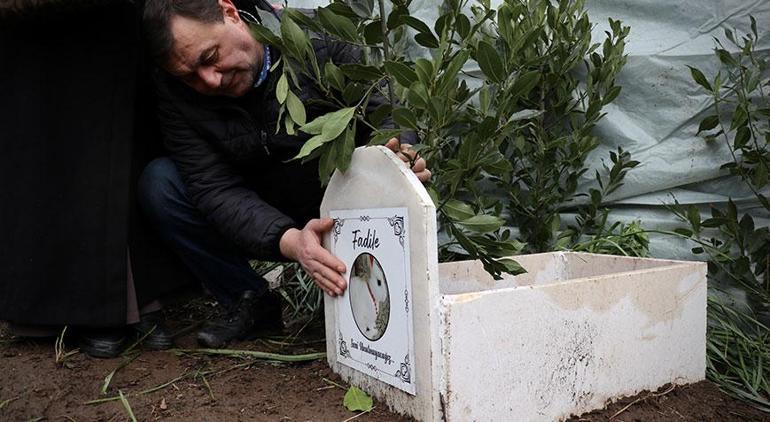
218, 58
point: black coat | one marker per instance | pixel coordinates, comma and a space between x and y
74, 135
234, 164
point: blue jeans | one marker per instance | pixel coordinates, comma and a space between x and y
218, 263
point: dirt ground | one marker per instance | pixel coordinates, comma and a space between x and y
165, 385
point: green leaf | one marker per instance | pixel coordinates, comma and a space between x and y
264, 35
337, 25
356, 400
611, 94
311, 145
326, 164
525, 114
296, 108
345, 147
282, 88
289, 125
463, 25
726, 58
302, 19
415, 23
511, 266
708, 123
337, 122
489, 61
426, 40
318, 125
362, 8
405, 118
418, 95
441, 23
742, 137
360, 72
524, 83
373, 32
403, 74
424, 70
458, 210
482, 223
451, 72
294, 38
693, 216
379, 115
334, 75
698, 77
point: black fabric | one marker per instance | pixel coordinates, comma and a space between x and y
234, 164
67, 164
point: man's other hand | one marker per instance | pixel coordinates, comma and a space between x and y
304, 246
418, 164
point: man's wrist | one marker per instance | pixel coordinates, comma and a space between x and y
288, 243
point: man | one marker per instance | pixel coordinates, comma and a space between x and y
229, 193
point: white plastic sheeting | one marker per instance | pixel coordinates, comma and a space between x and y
656, 116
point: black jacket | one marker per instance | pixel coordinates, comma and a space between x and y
235, 164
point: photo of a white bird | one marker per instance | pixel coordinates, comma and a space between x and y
369, 296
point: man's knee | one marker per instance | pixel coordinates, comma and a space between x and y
160, 189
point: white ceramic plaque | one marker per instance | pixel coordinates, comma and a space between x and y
374, 328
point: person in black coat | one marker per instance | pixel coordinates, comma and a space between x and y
75, 250
228, 192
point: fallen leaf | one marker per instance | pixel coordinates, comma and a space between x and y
356, 399
163, 405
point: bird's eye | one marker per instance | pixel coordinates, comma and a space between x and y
379, 282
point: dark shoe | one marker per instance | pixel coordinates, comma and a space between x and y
251, 316
152, 330
102, 342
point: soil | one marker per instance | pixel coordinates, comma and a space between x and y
33, 386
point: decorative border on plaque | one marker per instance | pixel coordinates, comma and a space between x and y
343, 347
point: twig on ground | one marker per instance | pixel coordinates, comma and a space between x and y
127, 406
108, 378
60, 354
147, 391
138, 341
650, 395
299, 343
7, 401
253, 354
208, 387
362, 413
332, 383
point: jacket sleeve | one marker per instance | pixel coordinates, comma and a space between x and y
219, 193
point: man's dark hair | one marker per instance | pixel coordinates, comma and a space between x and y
157, 22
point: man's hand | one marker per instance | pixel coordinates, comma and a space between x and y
304, 246
411, 158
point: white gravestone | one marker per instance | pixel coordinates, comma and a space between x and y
575, 331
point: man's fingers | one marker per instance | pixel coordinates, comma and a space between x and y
423, 176
419, 165
326, 259
392, 144
320, 225
325, 285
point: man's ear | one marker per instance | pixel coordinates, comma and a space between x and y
229, 11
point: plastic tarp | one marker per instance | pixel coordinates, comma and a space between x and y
656, 116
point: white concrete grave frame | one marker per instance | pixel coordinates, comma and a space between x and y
572, 333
